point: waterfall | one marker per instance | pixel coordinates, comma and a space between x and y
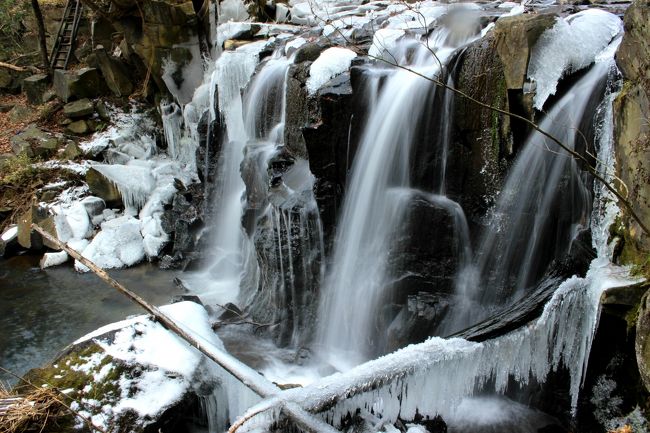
219, 282
355, 285
266, 236
437, 376
544, 203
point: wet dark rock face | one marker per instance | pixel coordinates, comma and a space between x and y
182, 221
207, 153
482, 142
325, 128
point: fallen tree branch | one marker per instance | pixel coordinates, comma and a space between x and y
246, 375
31, 69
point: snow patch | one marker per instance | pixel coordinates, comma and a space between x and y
117, 245
10, 233
331, 62
384, 42
53, 259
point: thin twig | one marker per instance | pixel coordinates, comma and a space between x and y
623, 200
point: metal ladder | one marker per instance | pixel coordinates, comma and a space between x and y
65, 39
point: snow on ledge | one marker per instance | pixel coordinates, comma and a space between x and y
331, 62
571, 44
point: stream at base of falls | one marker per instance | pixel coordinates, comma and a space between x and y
42, 311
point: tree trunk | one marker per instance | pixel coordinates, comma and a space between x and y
41, 34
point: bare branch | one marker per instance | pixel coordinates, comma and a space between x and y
577, 156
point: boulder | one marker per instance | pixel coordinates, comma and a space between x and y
103, 111
115, 73
71, 151
81, 83
633, 56
94, 206
79, 127
624, 296
310, 52
81, 108
11, 81
122, 387
20, 113
34, 88
30, 239
481, 139
48, 96
103, 188
515, 38
632, 132
642, 342
6, 79
34, 143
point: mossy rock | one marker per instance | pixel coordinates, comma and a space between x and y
34, 142
104, 388
75, 373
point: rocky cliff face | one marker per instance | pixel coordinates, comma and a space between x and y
632, 129
165, 37
632, 135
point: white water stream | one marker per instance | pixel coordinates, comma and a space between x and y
355, 284
439, 375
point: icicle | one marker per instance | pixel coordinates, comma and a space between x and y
134, 183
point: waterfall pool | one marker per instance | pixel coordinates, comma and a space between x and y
42, 311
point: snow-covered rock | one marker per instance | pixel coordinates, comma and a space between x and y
131, 373
571, 44
53, 259
118, 244
331, 62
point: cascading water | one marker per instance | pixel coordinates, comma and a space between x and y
440, 376
545, 202
355, 285
220, 281
287, 233
260, 212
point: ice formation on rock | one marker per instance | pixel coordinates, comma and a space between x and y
573, 43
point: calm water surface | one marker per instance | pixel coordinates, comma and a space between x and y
42, 311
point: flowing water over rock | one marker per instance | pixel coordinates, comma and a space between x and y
545, 203
356, 284
301, 315
270, 220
